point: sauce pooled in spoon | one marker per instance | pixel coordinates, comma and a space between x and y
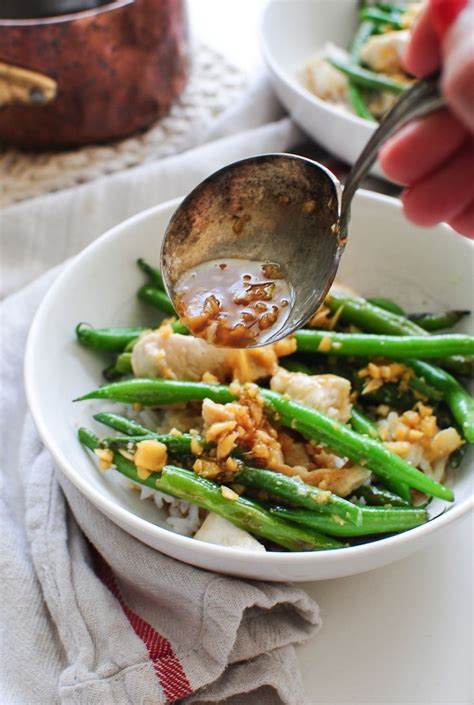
234, 302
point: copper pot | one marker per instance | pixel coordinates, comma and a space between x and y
90, 76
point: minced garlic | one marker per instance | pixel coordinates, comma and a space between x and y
196, 447
105, 456
206, 468
322, 497
227, 493
151, 455
325, 345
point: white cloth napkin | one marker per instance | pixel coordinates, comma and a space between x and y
90, 616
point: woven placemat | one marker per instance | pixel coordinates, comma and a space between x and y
214, 85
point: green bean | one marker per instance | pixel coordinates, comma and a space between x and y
426, 390
360, 449
155, 297
387, 305
116, 339
121, 423
242, 512
367, 78
361, 424
288, 488
295, 366
395, 347
438, 321
366, 316
107, 339
299, 493
379, 497
291, 489
311, 423
364, 31
354, 93
180, 328
380, 17
356, 99
154, 274
390, 7
375, 520
401, 489
160, 392
457, 398
177, 444
373, 319
131, 344
122, 366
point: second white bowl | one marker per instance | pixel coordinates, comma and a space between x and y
293, 30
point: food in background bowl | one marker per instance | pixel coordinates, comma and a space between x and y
367, 79
338, 443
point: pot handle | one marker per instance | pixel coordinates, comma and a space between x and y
20, 85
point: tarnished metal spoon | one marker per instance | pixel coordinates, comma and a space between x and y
281, 208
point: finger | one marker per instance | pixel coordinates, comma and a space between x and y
443, 194
421, 147
444, 12
463, 223
423, 54
458, 70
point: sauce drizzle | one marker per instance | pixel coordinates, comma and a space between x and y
234, 302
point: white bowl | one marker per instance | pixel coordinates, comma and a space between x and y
386, 256
291, 32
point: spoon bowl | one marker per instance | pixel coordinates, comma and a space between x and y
281, 208
273, 207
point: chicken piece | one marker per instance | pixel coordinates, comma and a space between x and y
341, 481
325, 81
326, 393
250, 365
294, 452
216, 529
384, 52
174, 356
162, 353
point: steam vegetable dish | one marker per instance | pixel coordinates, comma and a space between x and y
369, 77
340, 433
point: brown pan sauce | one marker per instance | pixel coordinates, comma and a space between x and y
234, 302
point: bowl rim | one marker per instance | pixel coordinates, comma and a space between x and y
126, 518
292, 81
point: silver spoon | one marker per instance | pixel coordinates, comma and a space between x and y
281, 208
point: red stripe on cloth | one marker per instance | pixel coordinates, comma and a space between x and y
167, 666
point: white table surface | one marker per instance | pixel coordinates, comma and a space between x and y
402, 634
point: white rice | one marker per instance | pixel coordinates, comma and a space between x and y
183, 517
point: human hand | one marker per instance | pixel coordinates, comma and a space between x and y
434, 156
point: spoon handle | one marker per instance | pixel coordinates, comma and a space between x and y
422, 98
